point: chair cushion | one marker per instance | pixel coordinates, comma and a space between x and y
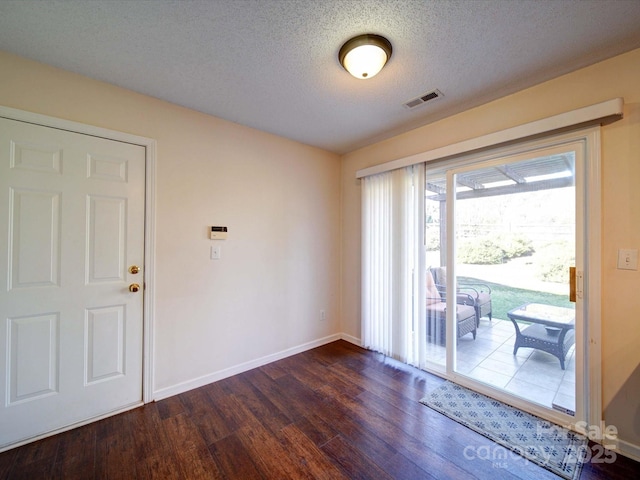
440, 275
463, 312
483, 297
433, 295
436, 309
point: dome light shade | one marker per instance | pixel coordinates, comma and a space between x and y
365, 55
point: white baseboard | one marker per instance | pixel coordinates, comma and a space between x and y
351, 339
629, 450
243, 367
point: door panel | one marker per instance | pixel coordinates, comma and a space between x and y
105, 239
34, 238
33, 357
502, 231
515, 227
105, 343
72, 212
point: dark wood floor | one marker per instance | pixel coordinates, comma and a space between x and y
335, 412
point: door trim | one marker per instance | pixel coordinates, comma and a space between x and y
149, 145
593, 255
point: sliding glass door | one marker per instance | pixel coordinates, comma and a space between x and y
501, 233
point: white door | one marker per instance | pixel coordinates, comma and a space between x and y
71, 227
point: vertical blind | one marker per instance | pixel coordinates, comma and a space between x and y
393, 264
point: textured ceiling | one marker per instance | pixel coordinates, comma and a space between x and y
272, 64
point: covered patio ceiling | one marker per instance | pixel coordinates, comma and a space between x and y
542, 173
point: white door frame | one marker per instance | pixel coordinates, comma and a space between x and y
149, 218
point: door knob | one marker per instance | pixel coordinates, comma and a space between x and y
134, 269
134, 287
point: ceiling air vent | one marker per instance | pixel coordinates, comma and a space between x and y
424, 98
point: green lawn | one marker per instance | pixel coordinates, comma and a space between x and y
505, 298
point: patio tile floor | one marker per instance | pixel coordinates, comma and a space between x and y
531, 374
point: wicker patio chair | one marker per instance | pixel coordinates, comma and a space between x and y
480, 292
436, 314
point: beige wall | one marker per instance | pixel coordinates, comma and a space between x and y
280, 199
617, 77
281, 202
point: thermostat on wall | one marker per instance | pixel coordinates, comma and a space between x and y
218, 233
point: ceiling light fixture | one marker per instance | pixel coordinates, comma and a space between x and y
365, 55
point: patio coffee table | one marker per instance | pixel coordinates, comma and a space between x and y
551, 329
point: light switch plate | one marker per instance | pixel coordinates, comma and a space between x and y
216, 252
627, 259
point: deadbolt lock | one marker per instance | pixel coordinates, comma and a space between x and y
134, 269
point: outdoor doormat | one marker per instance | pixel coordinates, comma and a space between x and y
551, 446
